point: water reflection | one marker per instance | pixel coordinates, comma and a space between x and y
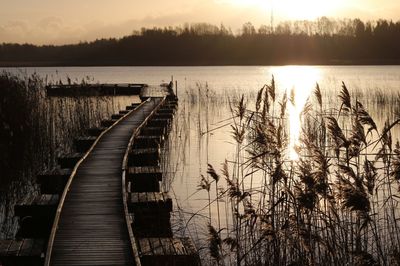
299, 81
191, 151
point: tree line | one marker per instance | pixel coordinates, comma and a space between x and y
323, 41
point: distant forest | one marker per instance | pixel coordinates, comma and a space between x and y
323, 41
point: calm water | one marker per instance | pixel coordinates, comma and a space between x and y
375, 86
232, 77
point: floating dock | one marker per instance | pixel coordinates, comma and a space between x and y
76, 90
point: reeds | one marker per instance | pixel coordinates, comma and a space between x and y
34, 131
336, 205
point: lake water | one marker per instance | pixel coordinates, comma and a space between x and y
230, 77
191, 148
370, 82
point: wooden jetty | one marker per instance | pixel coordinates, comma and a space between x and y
103, 205
74, 90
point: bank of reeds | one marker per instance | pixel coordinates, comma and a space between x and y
336, 204
34, 130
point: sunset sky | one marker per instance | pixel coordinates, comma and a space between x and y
70, 21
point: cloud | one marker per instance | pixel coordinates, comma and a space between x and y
49, 30
67, 26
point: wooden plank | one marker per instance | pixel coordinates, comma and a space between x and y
14, 248
30, 200
142, 197
144, 170
150, 196
158, 201
134, 198
145, 247
168, 246
178, 246
26, 247
145, 151
156, 246
44, 199
4, 246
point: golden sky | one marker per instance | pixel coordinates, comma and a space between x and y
70, 21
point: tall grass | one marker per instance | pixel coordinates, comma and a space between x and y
34, 130
336, 204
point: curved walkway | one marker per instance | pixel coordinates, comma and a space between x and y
92, 228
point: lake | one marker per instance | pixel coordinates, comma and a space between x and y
201, 132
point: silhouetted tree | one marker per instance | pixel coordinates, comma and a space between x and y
323, 41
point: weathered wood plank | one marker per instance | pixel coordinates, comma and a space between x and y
4, 246
37, 206
151, 201
156, 246
145, 247
23, 252
26, 247
167, 251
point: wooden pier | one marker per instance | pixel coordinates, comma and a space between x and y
74, 90
103, 205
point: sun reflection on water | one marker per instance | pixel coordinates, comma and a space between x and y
299, 82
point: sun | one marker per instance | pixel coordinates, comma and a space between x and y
298, 81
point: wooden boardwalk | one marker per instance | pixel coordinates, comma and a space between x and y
92, 229
103, 205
